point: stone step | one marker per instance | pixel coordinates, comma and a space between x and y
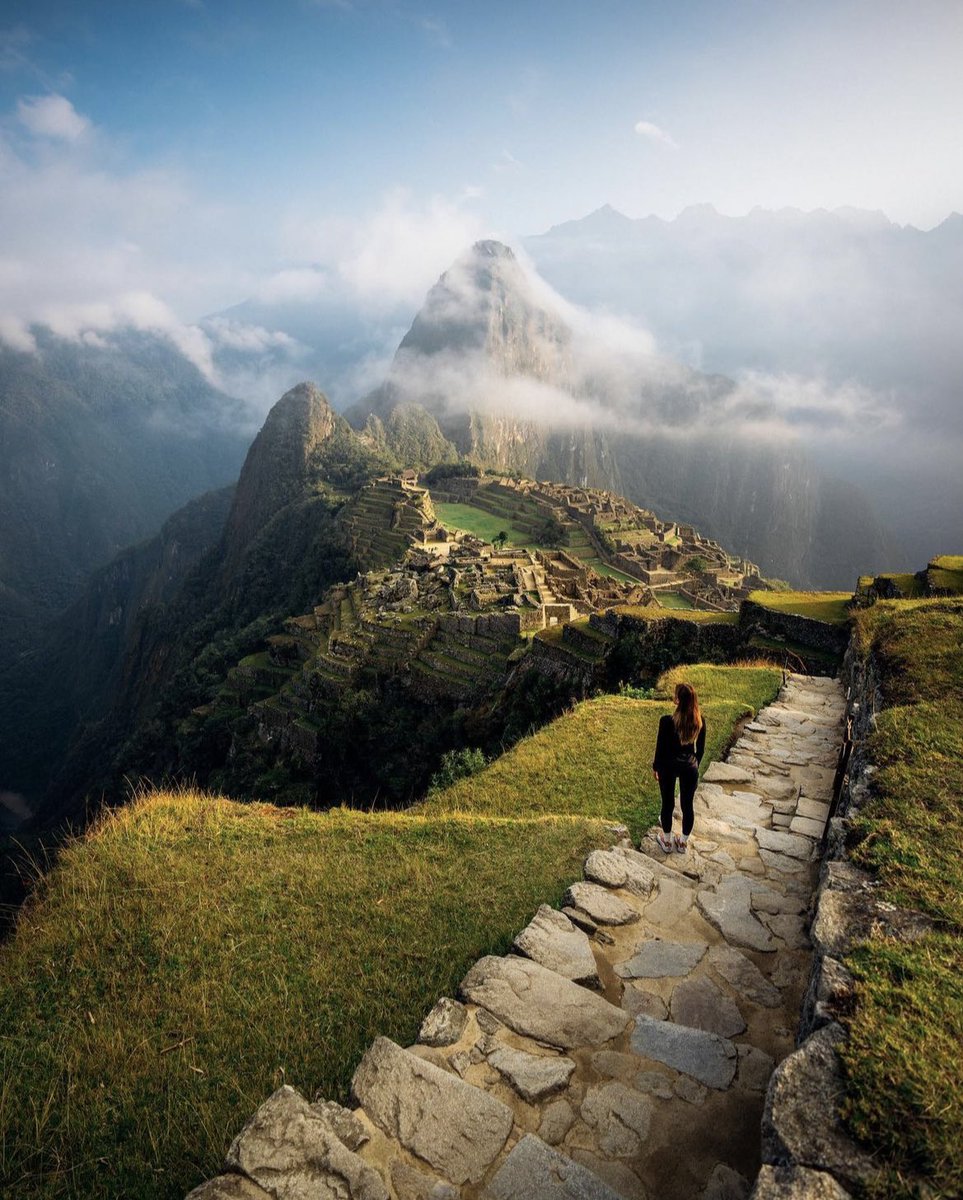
454, 1127
540, 1004
534, 1170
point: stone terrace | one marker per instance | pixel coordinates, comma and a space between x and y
625, 1046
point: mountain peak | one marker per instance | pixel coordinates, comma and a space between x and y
489, 248
279, 464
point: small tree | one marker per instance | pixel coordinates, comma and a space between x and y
501, 538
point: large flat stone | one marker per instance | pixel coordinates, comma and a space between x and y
539, 1004
600, 904
657, 959
620, 1116
552, 940
699, 1004
807, 826
613, 869
288, 1149
533, 1076
768, 900
411, 1184
781, 864
785, 843
815, 810
534, 1171
672, 903
743, 976
801, 1124
728, 907
705, 1056
720, 772
456, 1128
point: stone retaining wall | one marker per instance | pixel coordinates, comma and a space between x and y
672, 638
807, 1154
806, 631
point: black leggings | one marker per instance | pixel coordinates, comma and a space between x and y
688, 777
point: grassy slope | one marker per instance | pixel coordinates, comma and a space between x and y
192, 952
822, 606
905, 1090
606, 741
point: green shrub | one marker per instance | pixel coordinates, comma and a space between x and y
455, 765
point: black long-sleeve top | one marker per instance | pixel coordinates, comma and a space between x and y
669, 750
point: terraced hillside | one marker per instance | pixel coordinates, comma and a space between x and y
383, 519
942, 576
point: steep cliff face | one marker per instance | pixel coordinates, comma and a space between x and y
513, 387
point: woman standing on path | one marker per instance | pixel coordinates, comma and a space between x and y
678, 752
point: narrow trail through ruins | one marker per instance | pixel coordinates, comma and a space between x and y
625, 1047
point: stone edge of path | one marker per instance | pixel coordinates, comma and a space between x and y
806, 1152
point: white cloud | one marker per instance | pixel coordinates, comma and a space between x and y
506, 162
52, 116
294, 284
655, 133
391, 256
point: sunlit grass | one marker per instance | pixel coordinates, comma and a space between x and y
905, 1076
195, 952
821, 606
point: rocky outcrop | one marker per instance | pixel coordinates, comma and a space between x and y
281, 464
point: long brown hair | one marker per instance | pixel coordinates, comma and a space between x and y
687, 717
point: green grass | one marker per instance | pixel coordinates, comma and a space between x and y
905, 1078
603, 568
596, 760
655, 612
821, 606
481, 523
195, 952
945, 574
673, 600
907, 584
190, 953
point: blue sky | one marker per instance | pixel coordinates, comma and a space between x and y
183, 153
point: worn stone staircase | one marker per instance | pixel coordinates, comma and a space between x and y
624, 1047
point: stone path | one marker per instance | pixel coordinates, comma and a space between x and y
624, 1048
